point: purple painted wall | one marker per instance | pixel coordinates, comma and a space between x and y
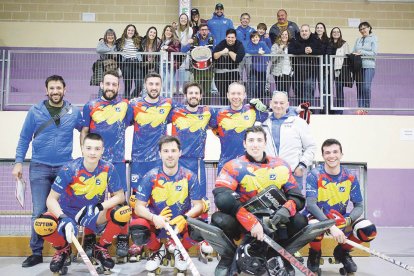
390, 197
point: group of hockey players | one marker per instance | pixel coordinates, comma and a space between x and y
168, 184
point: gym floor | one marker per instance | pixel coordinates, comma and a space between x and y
396, 243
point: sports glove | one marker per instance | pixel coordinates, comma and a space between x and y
66, 227
88, 215
257, 103
166, 212
340, 221
132, 199
180, 222
281, 216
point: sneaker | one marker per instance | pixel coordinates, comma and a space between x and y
32, 261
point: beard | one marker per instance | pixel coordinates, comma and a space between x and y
54, 101
151, 96
193, 105
104, 94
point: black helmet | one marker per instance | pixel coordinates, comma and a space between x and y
248, 263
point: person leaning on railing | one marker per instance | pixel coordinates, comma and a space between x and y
367, 47
151, 43
129, 44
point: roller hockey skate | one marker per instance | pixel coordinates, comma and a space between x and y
170, 245
314, 260
122, 245
342, 256
135, 253
61, 260
180, 264
153, 265
205, 252
102, 256
88, 245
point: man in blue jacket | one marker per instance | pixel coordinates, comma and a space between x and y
49, 124
218, 24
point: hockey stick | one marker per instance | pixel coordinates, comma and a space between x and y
286, 255
85, 258
180, 246
380, 255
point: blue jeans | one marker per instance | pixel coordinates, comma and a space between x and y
41, 179
363, 83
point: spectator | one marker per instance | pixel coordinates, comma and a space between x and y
205, 75
185, 34
258, 67
281, 67
227, 55
244, 30
289, 137
196, 20
367, 47
339, 47
320, 31
151, 43
107, 60
106, 45
49, 124
261, 29
169, 44
129, 44
218, 24
283, 24
305, 68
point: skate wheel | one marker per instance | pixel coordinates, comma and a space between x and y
202, 259
133, 259
332, 260
319, 272
64, 270
321, 261
165, 262
342, 271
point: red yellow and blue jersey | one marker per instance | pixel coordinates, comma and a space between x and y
191, 129
150, 124
230, 126
250, 178
333, 191
110, 120
161, 190
78, 187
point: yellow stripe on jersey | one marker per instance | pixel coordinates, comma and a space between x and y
170, 192
334, 193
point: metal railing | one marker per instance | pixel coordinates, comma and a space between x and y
310, 78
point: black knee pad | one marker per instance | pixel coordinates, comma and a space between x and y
140, 234
227, 200
194, 233
121, 214
296, 223
364, 230
230, 226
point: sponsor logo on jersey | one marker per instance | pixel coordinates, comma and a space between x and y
341, 189
58, 180
200, 117
178, 188
139, 188
162, 111
98, 182
117, 109
272, 176
246, 117
134, 177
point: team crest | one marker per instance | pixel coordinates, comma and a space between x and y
341, 189
200, 117
117, 109
98, 182
162, 111
246, 117
178, 188
272, 176
134, 177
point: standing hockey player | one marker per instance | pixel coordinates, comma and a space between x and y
166, 192
77, 198
109, 116
242, 179
329, 188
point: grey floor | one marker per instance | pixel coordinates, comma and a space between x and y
397, 243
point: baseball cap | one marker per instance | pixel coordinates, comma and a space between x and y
219, 6
194, 11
